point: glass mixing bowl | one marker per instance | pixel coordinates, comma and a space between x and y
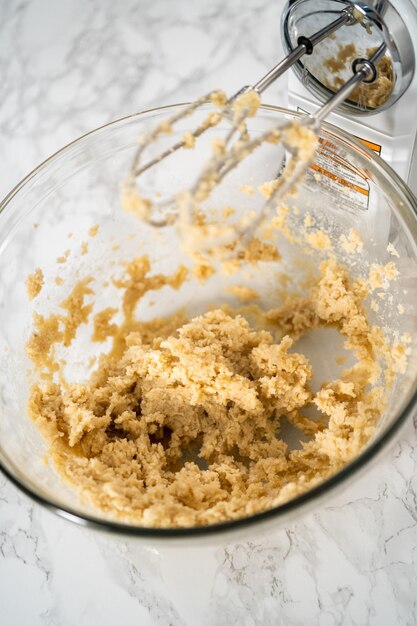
47, 216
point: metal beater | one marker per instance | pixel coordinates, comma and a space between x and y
363, 71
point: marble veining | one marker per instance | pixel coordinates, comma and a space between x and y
70, 66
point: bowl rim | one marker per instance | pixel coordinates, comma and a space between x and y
370, 452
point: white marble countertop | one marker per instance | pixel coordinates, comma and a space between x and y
70, 66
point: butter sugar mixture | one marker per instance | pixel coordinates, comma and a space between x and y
180, 423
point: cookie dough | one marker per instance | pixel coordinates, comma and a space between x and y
34, 283
371, 95
181, 422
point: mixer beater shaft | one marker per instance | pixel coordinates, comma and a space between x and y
364, 71
305, 46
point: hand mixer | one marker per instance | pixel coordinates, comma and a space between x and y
363, 71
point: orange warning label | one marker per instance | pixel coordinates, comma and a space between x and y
370, 144
338, 177
342, 181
